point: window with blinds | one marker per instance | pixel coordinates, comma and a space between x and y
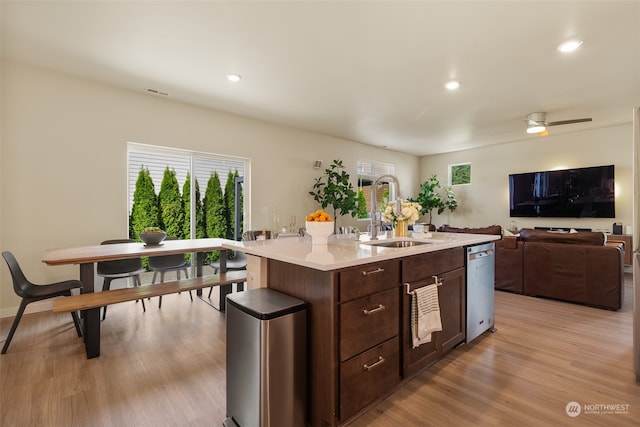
373, 169
198, 165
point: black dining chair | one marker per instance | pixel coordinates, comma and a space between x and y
256, 235
236, 261
31, 292
119, 269
166, 263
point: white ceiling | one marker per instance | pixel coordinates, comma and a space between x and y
371, 72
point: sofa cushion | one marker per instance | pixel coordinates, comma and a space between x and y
492, 229
591, 238
508, 233
509, 263
509, 242
586, 274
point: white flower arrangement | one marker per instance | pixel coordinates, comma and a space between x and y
401, 210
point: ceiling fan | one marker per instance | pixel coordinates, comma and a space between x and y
537, 123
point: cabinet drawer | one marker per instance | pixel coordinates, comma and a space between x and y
420, 267
368, 279
368, 376
368, 321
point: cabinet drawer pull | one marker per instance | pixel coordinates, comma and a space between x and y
380, 307
378, 362
377, 270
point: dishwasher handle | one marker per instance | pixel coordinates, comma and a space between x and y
481, 254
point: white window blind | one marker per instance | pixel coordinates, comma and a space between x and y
199, 165
368, 168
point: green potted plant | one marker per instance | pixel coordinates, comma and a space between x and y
433, 196
335, 189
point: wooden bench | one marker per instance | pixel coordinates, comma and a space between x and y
100, 299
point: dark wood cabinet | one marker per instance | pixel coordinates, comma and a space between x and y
367, 321
448, 266
369, 375
368, 334
358, 330
451, 296
368, 279
354, 358
422, 267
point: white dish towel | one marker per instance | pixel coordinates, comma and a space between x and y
425, 314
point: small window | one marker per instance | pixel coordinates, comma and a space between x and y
460, 174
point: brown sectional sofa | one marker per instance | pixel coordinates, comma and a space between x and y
577, 267
510, 264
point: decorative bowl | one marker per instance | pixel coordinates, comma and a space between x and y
153, 239
319, 231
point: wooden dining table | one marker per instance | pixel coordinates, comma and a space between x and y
87, 256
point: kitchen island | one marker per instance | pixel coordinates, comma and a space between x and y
359, 339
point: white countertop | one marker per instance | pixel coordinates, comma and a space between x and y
344, 251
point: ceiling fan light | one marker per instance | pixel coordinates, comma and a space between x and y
535, 128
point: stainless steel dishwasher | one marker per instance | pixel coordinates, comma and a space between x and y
480, 289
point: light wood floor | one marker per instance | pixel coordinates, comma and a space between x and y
167, 368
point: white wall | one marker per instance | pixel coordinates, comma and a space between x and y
486, 200
63, 154
63, 164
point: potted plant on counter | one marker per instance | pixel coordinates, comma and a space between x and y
433, 196
335, 189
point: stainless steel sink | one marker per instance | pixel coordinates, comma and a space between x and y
396, 243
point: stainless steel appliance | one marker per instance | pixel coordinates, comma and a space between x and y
266, 359
480, 288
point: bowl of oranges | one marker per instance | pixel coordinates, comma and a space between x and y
319, 225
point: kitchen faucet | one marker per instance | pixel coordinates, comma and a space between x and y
374, 219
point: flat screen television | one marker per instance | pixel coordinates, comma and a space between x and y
568, 193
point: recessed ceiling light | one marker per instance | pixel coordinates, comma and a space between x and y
233, 77
452, 84
569, 46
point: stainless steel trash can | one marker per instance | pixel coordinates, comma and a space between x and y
266, 359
